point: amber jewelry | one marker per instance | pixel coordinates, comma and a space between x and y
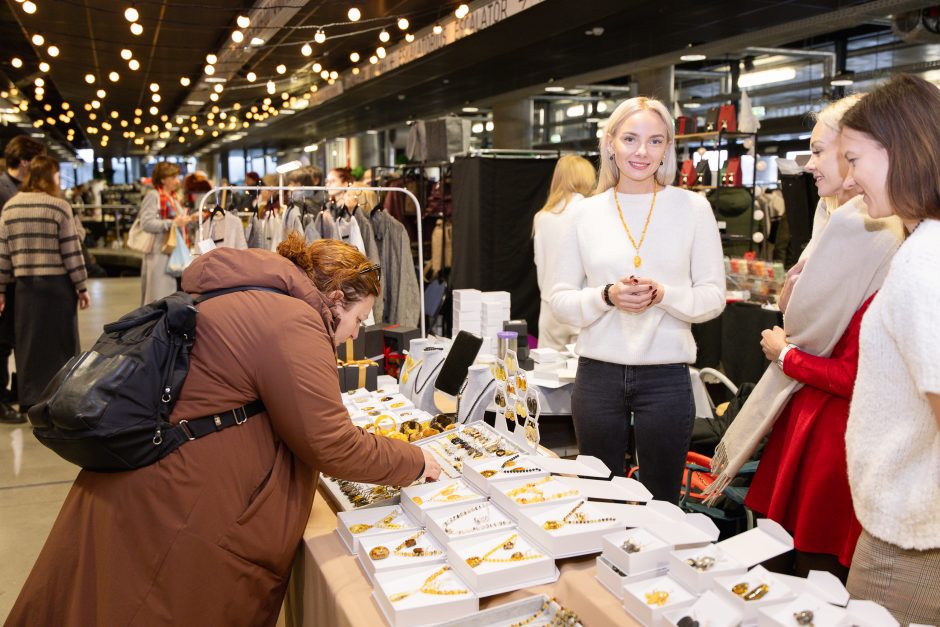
397, 405
447, 495
658, 598
430, 586
410, 427
416, 551
538, 495
500, 372
506, 545
530, 619
385, 418
521, 382
574, 517
500, 399
482, 523
410, 364
532, 405
757, 593
637, 261
378, 553
385, 523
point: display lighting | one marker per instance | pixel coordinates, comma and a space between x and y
16, 62
131, 14
53, 51
320, 36
65, 106
101, 93
134, 65
126, 54
184, 81
137, 29
38, 39
211, 59
438, 29
95, 104
137, 121
114, 77
764, 77
256, 41
409, 38
214, 97
29, 7
243, 21
380, 52
462, 11
138, 111
403, 23
384, 36
285, 95
272, 88
44, 67
238, 36
114, 114
306, 50
281, 69
354, 14
373, 59
251, 77
693, 57
210, 70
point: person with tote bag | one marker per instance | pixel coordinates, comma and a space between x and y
161, 215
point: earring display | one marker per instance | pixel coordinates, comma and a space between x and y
803, 617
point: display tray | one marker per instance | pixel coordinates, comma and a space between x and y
418, 500
709, 610
398, 556
614, 580
651, 553
487, 577
638, 598
355, 525
817, 611
459, 522
538, 611
777, 591
420, 608
544, 525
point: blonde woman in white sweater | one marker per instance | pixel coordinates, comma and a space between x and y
573, 179
641, 262
893, 432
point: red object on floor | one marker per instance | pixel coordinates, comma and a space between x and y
802, 481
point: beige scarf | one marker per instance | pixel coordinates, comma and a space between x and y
848, 263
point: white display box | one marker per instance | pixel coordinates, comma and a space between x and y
546, 356
617, 489
512, 614
495, 297
821, 584
396, 402
420, 608
675, 527
572, 364
387, 389
653, 553
634, 599
359, 396
481, 519
372, 405
472, 469
411, 414
549, 368
371, 516
709, 610
824, 615
436, 554
489, 578
566, 376
778, 591
732, 556
570, 540
615, 580
417, 500
553, 489
870, 614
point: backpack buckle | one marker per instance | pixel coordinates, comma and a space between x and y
244, 414
184, 425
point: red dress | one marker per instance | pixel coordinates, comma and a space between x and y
802, 482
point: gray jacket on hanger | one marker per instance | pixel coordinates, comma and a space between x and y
399, 281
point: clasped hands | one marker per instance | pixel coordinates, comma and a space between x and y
635, 294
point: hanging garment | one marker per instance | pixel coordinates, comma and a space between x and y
292, 221
272, 230
442, 248
254, 236
347, 230
311, 234
325, 224
400, 288
227, 231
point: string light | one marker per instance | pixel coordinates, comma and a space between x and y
243, 21
133, 64
38, 39
271, 87
101, 93
317, 67
114, 77
281, 69
238, 36
251, 77
354, 57
210, 70
320, 37
89, 78
44, 67
462, 11
131, 14
16, 62
155, 97
211, 59
403, 23
137, 29
325, 74
53, 51
154, 87
380, 51
354, 14
384, 36
355, 71
39, 82
126, 54
29, 7
218, 88
409, 38
306, 50
373, 59
438, 29
184, 81
334, 75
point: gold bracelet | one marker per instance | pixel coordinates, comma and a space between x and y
383, 418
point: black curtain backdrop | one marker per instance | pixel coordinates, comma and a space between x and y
494, 203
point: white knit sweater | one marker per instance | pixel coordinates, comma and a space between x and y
682, 251
892, 440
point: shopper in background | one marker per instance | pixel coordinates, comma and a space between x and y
801, 482
18, 153
226, 512
246, 200
574, 178
641, 262
159, 213
338, 177
893, 432
39, 246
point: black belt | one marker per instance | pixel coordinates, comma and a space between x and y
198, 427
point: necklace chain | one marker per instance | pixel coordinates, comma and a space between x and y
637, 260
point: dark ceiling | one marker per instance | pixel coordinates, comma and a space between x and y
519, 55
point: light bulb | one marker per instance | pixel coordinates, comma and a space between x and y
281, 69
251, 76
38, 39
218, 88
184, 81
354, 57
210, 70
243, 21
131, 14
403, 23
238, 36
373, 59
43, 66
39, 82
154, 87
211, 59
155, 97
325, 74
409, 38
355, 71
53, 51
29, 7
438, 29
16, 62
354, 14
271, 87
334, 75
126, 54
462, 11
137, 29
154, 110
384, 36
306, 50
213, 97
317, 67
380, 51
320, 37
133, 64
101, 93
114, 77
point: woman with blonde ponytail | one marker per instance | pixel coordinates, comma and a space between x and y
640, 263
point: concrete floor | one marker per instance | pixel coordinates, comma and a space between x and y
33, 480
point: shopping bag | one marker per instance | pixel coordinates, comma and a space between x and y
138, 239
179, 258
169, 242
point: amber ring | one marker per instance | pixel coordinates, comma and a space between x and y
378, 553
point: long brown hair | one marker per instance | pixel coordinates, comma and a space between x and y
333, 265
41, 176
898, 115
162, 171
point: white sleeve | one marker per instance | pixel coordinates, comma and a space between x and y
704, 299
572, 302
911, 321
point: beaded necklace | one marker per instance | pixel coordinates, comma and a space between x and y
539, 496
574, 517
507, 545
385, 523
430, 586
482, 522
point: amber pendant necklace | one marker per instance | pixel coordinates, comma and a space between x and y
637, 260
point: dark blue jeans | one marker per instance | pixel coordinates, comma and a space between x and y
659, 398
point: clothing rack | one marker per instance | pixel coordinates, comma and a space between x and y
512, 153
318, 188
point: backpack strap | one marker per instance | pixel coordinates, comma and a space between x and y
229, 290
195, 428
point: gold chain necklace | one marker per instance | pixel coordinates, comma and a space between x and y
430, 586
637, 260
506, 545
385, 523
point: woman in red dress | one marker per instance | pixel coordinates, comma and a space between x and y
802, 480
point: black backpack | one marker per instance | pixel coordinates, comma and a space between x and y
108, 408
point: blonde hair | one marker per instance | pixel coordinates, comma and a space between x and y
609, 173
830, 116
573, 175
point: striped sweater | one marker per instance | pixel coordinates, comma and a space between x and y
38, 238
